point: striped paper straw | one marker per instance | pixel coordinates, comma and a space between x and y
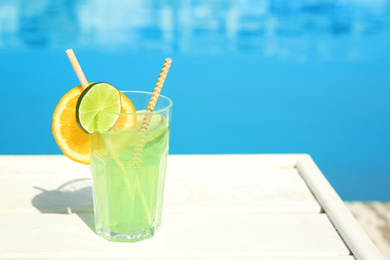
156, 94
148, 116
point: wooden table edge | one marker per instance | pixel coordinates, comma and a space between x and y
356, 239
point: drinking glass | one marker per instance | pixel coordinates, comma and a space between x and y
128, 171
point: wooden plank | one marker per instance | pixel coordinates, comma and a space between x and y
35, 187
182, 236
53, 163
39, 164
11, 163
356, 239
228, 161
223, 191
47, 195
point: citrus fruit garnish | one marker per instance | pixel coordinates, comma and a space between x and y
97, 108
73, 141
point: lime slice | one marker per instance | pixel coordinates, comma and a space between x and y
92, 104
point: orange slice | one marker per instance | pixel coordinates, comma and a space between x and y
73, 141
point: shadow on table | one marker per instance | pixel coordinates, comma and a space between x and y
71, 197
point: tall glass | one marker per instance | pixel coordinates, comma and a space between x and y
128, 172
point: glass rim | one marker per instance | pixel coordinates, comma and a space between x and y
159, 111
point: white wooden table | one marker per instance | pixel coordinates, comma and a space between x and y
215, 207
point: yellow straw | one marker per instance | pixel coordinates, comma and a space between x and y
77, 68
156, 94
152, 103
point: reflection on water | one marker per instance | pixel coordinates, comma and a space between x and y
285, 29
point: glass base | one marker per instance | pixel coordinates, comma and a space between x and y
121, 237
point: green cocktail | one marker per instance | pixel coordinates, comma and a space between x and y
124, 136
128, 188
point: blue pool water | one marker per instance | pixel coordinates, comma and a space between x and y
247, 76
